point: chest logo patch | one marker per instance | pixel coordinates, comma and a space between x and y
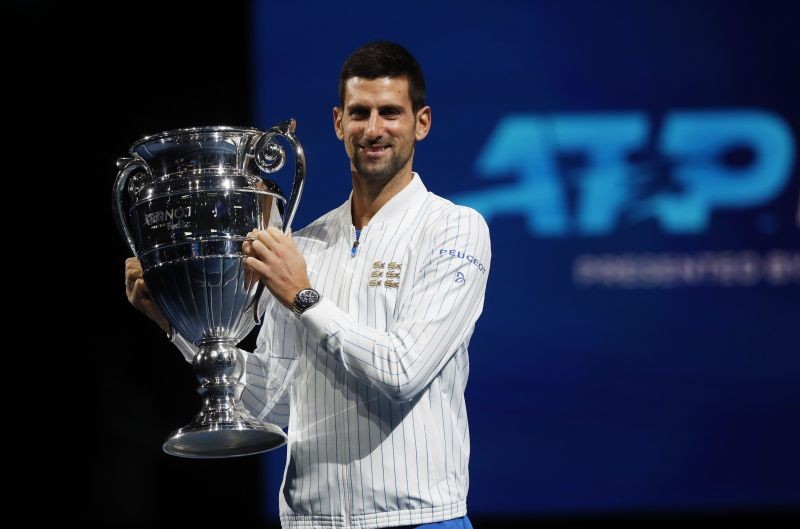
392, 277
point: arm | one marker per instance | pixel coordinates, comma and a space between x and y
437, 311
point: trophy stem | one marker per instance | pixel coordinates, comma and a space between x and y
224, 427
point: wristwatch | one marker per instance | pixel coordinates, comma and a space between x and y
304, 300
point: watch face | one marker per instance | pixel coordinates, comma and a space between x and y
308, 296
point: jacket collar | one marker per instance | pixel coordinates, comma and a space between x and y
411, 196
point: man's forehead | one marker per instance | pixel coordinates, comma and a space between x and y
385, 90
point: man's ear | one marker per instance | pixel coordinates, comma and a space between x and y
423, 123
337, 122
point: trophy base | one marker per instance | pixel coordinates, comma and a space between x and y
199, 440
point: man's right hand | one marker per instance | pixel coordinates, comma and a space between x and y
139, 295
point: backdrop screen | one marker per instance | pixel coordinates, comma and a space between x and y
637, 165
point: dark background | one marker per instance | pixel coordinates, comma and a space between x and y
106, 388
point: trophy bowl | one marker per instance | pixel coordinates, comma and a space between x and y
185, 201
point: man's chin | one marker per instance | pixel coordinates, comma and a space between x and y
375, 171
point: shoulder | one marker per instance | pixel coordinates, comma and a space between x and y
455, 233
442, 215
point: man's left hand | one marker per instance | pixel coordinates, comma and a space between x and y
275, 259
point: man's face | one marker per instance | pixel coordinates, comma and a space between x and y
379, 127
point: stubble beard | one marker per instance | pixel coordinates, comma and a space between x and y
384, 171
380, 172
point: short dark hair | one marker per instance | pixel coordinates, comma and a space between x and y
385, 59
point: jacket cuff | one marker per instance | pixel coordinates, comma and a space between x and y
318, 319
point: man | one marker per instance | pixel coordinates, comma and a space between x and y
372, 310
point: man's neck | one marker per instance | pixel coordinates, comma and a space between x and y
370, 196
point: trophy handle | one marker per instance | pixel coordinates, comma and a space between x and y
128, 166
270, 157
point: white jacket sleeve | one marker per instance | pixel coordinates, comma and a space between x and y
268, 369
437, 311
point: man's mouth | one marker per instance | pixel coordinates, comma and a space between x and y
374, 150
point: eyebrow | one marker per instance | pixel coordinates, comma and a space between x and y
359, 107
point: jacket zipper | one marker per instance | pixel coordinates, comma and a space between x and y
354, 249
347, 495
345, 468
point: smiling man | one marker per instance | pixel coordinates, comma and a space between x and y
372, 310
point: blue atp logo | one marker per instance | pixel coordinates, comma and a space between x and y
459, 278
579, 173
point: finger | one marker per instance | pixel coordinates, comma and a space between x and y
134, 292
272, 237
255, 265
247, 244
250, 275
265, 239
276, 234
134, 288
132, 274
132, 263
131, 277
131, 270
261, 252
140, 290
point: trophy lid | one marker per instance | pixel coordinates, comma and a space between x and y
222, 150
193, 133
199, 159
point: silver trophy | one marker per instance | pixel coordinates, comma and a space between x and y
185, 201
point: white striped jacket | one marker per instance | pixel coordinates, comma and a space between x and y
378, 432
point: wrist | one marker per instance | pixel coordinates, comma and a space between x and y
304, 300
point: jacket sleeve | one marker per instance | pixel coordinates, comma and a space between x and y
268, 369
447, 271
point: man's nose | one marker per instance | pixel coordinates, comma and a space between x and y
373, 128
